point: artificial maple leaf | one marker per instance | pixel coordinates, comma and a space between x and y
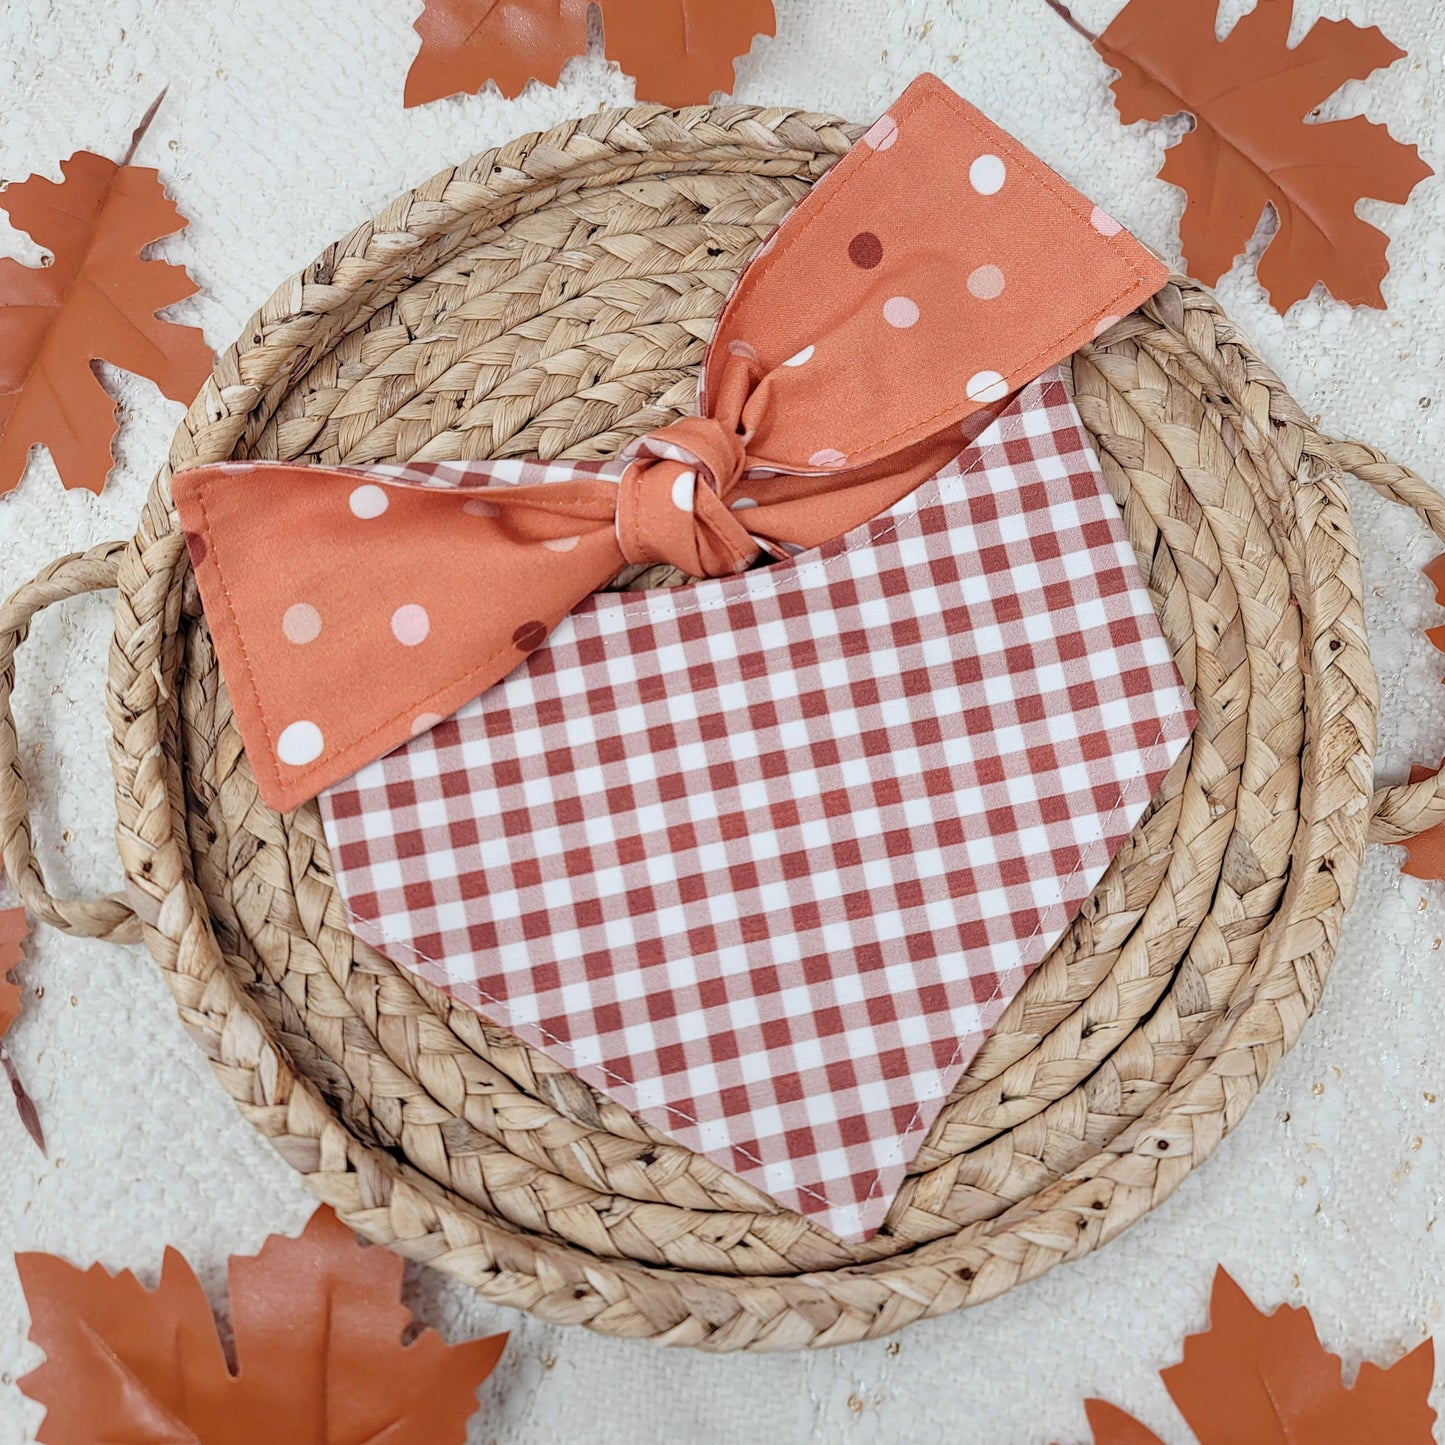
1111, 1426
1258, 1379
679, 51
465, 43
1435, 571
96, 300
1251, 147
1425, 852
9, 1000
319, 1355
12, 934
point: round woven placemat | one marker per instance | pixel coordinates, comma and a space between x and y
554, 298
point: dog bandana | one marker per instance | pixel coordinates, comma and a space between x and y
763, 857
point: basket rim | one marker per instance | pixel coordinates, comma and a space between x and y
394, 1204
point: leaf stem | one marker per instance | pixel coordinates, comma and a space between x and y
143, 127
24, 1104
1069, 19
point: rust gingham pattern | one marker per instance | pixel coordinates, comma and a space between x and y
765, 858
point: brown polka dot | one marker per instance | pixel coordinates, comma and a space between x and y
196, 546
529, 636
865, 250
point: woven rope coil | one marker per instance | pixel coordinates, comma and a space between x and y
554, 297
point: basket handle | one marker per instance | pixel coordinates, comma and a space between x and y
111, 918
1401, 812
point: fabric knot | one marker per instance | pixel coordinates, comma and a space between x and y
672, 504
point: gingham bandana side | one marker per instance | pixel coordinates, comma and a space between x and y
764, 858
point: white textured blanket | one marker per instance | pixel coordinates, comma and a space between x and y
284, 127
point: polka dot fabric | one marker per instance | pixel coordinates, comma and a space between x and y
765, 858
938, 268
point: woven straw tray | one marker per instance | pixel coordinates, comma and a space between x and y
554, 297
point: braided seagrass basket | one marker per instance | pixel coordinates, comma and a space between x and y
554, 298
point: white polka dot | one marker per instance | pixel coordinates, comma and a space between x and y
742, 348
301, 623
424, 722
682, 491
369, 501
986, 386
900, 311
802, 358
829, 458
987, 174
560, 544
1104, 223
986, 282
410, 624
299, 744
1105, 322
881, 134
742, 504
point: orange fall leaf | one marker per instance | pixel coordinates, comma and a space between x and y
1425, 853
96, 300
1111, 1426
12, 934
1252, 147
318, 1327
679, 51
1258, 1379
